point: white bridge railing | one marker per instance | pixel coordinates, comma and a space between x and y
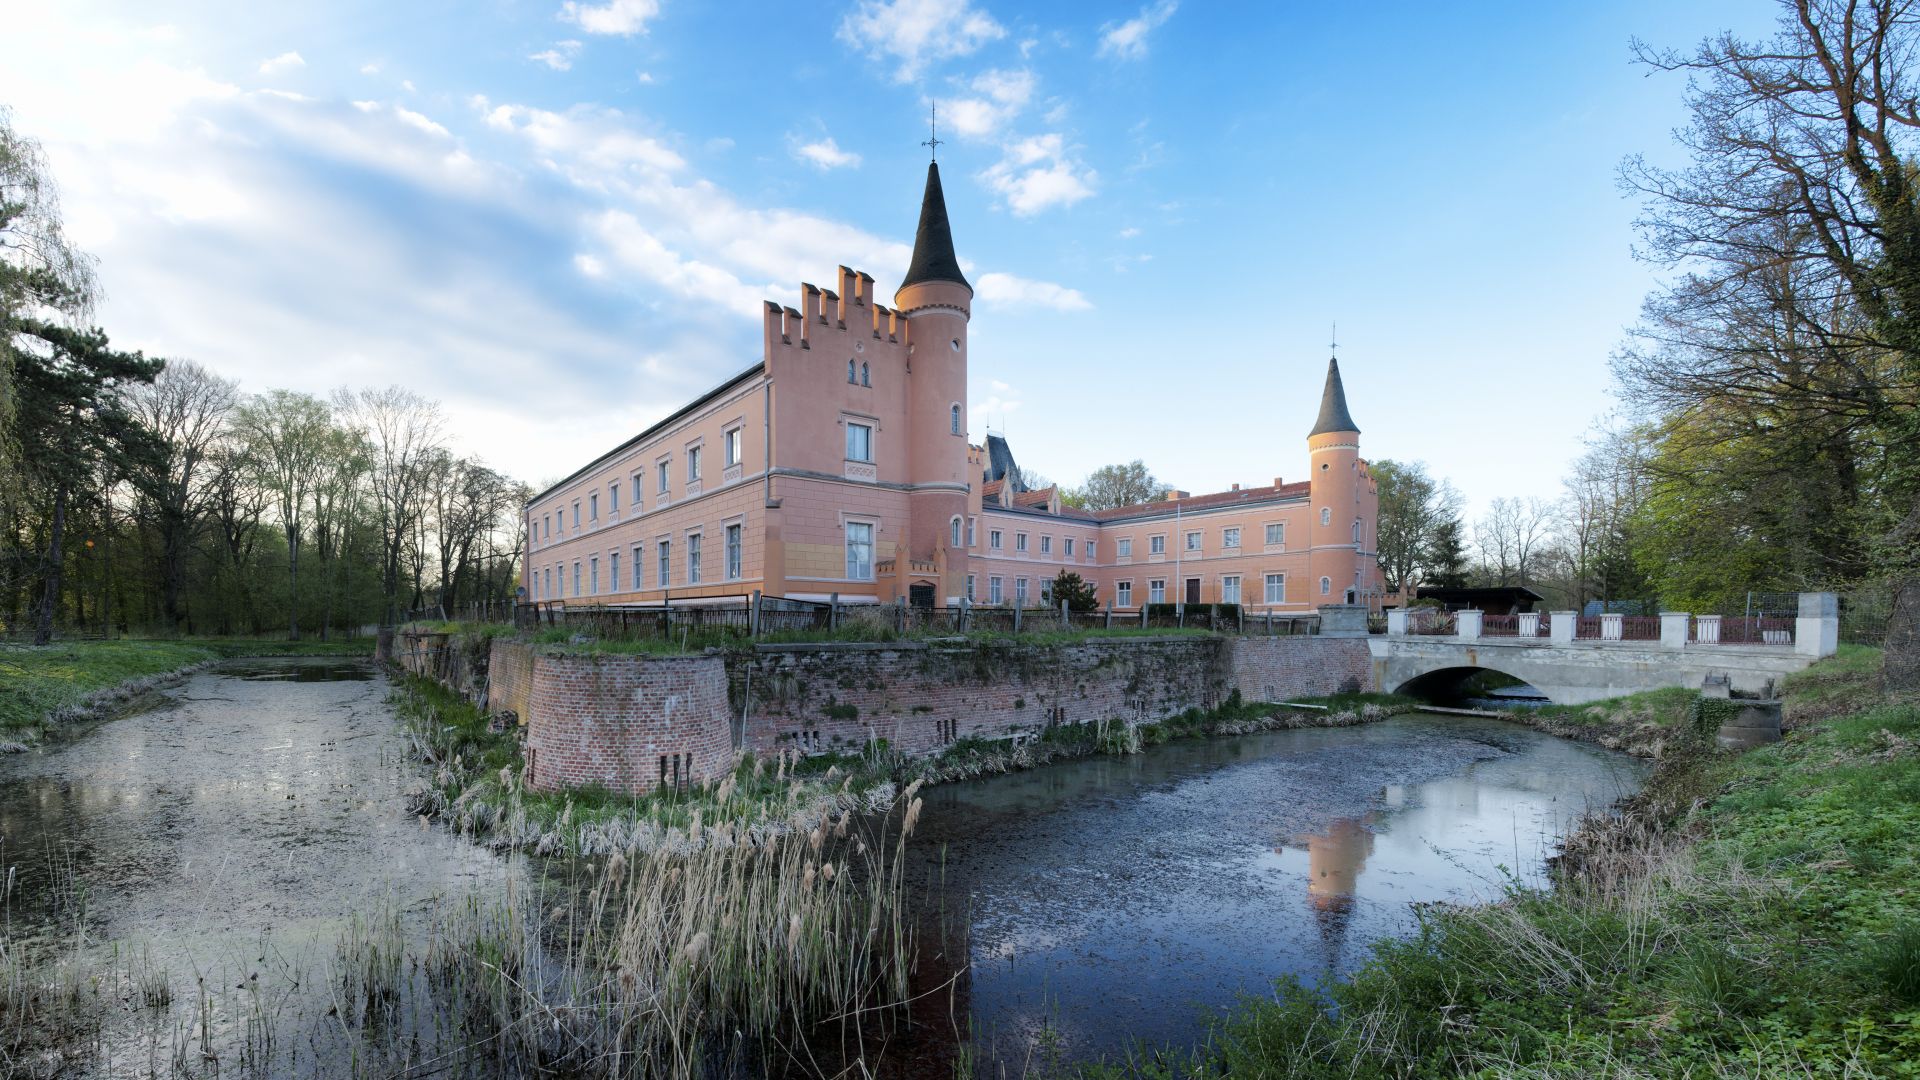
1814, 632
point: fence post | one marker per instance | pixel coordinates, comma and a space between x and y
1066, 621
1016, 618
753, 616
833, 612
1180, 614
1240, 620
1143, 616
1109, 616
966, 614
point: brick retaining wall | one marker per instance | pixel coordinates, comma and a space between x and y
510, 671
1285, 668
626, 722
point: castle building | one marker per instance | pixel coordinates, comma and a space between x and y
839, 464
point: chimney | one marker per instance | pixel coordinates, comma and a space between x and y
1236, 487
1277, 482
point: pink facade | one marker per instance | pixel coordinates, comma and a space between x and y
840, 464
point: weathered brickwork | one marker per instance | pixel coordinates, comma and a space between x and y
627, 723
1284, 668
510, 669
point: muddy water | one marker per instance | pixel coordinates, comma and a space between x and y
233, 829
1096, 905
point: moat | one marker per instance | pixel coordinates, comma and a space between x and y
244, 819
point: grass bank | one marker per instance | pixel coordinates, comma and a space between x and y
44, 686
1749, 915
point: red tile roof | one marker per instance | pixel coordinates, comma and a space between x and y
1204, 502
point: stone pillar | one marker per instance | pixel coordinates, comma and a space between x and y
1396, 622
1560, 630
1467, 623
1673, 629
1343, 620
1817, 631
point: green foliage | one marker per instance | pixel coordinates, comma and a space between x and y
1075, 591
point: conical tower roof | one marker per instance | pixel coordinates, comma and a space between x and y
1333, 405
933, 257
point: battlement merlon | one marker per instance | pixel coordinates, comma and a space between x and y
853, 306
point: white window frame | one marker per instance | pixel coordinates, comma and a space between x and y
663, 551
1193, 539
1067, 550
969, 588
613, 571
1276, 534
994, 539
663, 470
576, 577
613, 498
735, 542
1230, 588
1326, 586
1123, 594
1230, 538
1046, 545
996, 590
1157, 591
576, 515
693, 464
1019, 542
855, 570
1020, 592
953, 532
732, 443
693, 558
1276, 586
593, 575
1326, 515
1157, 544
972, 532
1126, 548
639, 563
593, 506
867, 450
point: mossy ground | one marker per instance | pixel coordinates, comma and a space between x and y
1750, 915
36, 681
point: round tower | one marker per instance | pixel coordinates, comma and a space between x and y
938, 303
1338, 527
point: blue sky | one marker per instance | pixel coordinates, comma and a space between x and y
559, 217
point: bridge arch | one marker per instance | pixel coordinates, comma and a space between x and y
1449, 684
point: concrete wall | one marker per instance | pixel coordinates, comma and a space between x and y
1579, 672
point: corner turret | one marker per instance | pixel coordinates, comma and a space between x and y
933, 257
1333, 405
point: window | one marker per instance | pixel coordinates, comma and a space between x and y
1276, 535
613, 498
636, 491
693, 558
993, 590
1046, 545
639, 556
1020, 591
1068, 551
1019, 541
693, 464
1229, 538
956, 420
1123, 594
533, 586
1125, 548
576, 579
863, 376
664, 573
1230, 589
1356, 530
859, 442
593, 507
969, 588
613, 571
953, 533
971, 522
548, 590
731, 445
576, 517
1046, 591
662, 468
1193, 541
859, 551
850, 379
993, 539
733, 553
546, 527
1091, 545
1157, 591
593, 575
1326, 586
1326, 516
1157, 545
1276, 588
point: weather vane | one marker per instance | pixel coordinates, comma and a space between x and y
1335, 343
933, 131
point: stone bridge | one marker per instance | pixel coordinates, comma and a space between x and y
1573, 660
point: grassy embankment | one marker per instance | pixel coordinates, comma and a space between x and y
1747, 915
43, 686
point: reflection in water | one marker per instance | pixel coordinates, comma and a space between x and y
1116, 900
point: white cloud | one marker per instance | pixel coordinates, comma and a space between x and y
590, 265
645, 77
584, 134
1128, 40
918, 32
1014, 291
370, 68
998, 386
1000, 96
1129, 232
623, 17
420, 123
286, 61
560, 56
1039, 173
826, 154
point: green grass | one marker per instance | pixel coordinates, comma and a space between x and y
1749, 915
38, 680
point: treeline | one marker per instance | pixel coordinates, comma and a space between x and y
152, 496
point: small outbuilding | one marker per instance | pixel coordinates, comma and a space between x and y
1494, 600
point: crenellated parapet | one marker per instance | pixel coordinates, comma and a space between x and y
850, 310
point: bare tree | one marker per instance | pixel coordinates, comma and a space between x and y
285, 435
187, 408
1118, 485
1510, 536
403, 433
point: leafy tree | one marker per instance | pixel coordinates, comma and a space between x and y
1110, 486
1413, 507
1078, 594
1446, 564
285, 436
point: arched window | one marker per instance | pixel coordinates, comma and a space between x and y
956, 419
1326, 515
1356, 530
1326, 586
953, 530
850, 378
863, 376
